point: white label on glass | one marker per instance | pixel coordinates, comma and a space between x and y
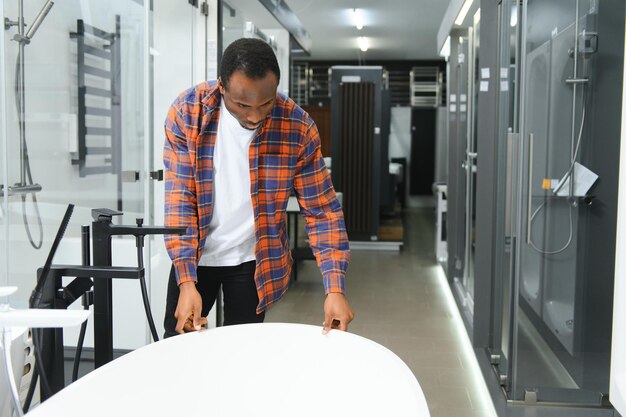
504, 73
484, 86
452, 108
463, 98
504, 86
452, 97
484, 73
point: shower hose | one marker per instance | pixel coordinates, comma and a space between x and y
26, 161
568, 175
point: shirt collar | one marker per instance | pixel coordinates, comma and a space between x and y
212, 99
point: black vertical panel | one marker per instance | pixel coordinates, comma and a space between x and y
423, 134
357, 141
387, 190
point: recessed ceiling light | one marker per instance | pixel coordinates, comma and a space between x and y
357, 15
364, 43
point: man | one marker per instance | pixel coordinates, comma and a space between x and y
234, 151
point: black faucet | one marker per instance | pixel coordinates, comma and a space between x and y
50, 292
103, 230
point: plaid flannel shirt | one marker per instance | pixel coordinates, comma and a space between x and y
284, 156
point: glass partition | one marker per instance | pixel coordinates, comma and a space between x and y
554, 358
233, 25
471, 155
507, 142
75, 119
464, 99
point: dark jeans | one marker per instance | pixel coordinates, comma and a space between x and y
240, 296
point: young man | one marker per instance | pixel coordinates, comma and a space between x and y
234, 151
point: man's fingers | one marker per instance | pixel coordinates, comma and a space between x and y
342, 325
188, 327
197, 314
191, 327
335, 323
180, 324
327, 324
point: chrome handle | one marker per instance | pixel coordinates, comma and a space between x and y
531, 138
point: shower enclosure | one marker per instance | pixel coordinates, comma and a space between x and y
462, 164
48, 78
556, 198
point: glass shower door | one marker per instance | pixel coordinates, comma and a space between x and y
185, 41
507, 141
471, 155
84, 85
462, 136
549, 358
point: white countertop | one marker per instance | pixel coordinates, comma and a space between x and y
271, 369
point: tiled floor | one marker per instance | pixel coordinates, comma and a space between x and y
399, 302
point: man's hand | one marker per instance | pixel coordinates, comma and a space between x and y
337, 313
189, 309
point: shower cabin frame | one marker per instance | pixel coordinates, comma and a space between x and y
462, 168
587, 349
459, 110
595, 250
497, 304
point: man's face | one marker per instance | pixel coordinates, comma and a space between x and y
250, 101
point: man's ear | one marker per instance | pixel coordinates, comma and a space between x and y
220, 85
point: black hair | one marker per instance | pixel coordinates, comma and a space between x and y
252, 56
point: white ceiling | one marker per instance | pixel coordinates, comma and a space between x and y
397, 29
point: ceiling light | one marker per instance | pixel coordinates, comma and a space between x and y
364, 43
463, 12
357, 15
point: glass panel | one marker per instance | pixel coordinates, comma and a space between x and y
560, 41
462, 251
179, 65
470, 163
459, 136
506, 147
83, 138
233, 25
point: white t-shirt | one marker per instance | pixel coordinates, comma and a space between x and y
231, 237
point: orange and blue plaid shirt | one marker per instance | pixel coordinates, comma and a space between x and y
284, 156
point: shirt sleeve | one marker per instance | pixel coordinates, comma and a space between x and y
322, 212
180, 196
